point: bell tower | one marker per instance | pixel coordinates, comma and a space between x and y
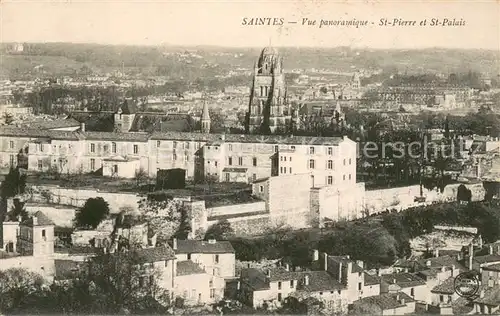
205, 119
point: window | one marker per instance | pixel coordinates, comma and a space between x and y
230, 147
261, 188
211, 283
311, 150
290, 158
320, 293
240, 161
174, 156
292, 147
311, 164
216, 258
228, 177
349, 160
330, 151
11, 144
187, 145
113, 148
41, 147
92, 148
212, 293
43, 233
158, 143
284, 158
281, 169
290, 169
186, 157
360, 286
291, 283
441, 298
344, 177
330, 164
330, 180
276, 148
175, 144
92, 164
136, 149
12, 160
279, 285
40, 165
254, 177
279, 297
189, 256
230, 161
281, 158
115, 168
215, 163
344, 162
349, 176
412, 292
254, 161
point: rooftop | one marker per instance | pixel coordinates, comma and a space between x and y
201, 246
42, 220
388, 300
403, 279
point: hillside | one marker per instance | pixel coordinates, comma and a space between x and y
193, 62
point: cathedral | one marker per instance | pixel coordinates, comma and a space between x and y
269, 108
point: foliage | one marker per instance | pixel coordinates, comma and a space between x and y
16, 286
165, 216
464, 194
140, 176
221, 230
8, 118
14, 183
18, 210
93, 212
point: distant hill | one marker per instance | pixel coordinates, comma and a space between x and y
203, 61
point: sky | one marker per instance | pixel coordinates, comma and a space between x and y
218, 22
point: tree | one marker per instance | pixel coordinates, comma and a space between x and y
140, 176
16, 285
464, 194
185, 224
8, 118
14, 183
92, 213
18, 210
219, 231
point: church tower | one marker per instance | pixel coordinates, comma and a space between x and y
205, 119
268, 107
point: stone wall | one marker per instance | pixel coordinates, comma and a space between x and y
61, 216
289, 194
77, 197
236, 209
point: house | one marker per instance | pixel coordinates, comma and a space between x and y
385, 304
488, 301
215, 256
408, 283
197, 286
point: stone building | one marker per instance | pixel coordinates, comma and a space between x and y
268, 97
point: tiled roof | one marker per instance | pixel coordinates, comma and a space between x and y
438, 262
255, 279
371, 279
403, 279
493, 267
319, 281
52, 124
188, 267
42, 220
491, 296
201, 246
155, 254
487, 258
103, 121
447, 287
132, 137
387, 300
37, 133
345, 261
159, 122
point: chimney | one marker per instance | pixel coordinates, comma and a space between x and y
480, 241
238, 285
402, 301
407, 270
248, 265
436, 253
471, 255
481, 268
325, 258
287, 267
268, 273
306, 279
174, 244
428, 263
379, 272
490, 250
35, 221
394, 281
481, 294
340, 272
360, 263
19, 218
443, 269
315, 255
498, 250
82, 127
397, 297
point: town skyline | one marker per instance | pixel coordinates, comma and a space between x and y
208, 23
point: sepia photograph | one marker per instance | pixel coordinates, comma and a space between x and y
266, 157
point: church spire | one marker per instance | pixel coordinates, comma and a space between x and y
205, 119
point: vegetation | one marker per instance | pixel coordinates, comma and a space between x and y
92, 213
377, 240
221, 230
13, 184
